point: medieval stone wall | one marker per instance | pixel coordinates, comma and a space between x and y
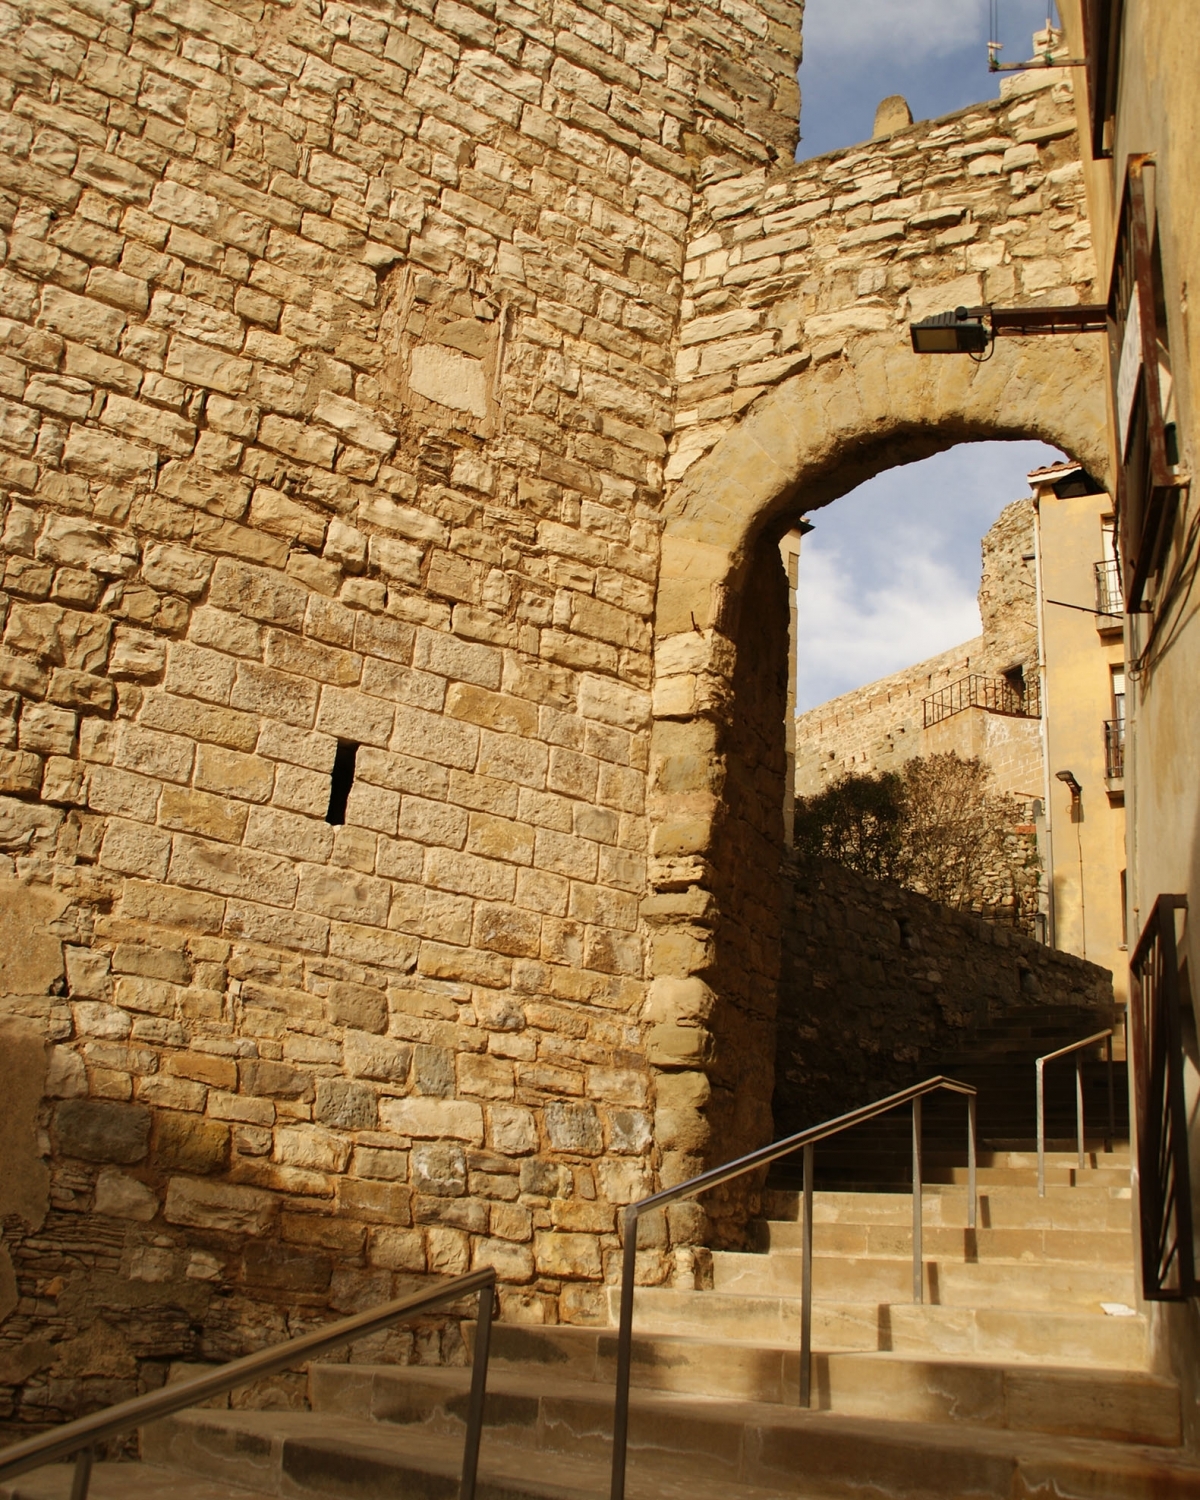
785, 271
337, 387
880, 984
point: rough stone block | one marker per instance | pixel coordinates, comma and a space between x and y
101, 1130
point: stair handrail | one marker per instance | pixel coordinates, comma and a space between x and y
78, 1439
715, 1176
1077, 1048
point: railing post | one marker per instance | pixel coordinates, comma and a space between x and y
806, 1285
1079, 1106
82, 1477
1041, 1128
624, 1356
479, 1373
918, 1273
1112, 1109
972, 1193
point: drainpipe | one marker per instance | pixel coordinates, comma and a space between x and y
1044, 723
789, 552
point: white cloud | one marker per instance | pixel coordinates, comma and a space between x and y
849, 636
912, 29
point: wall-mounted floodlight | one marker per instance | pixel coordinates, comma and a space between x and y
804, 526
957, 332
1068, 779
972, 330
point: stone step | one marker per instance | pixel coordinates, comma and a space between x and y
950, 1174
1051, 1336
129, 1481
681, 1448
952, 1153
1118, 1405
1001, 1207
948, 1283
1052, 1246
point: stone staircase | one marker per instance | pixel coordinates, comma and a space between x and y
1024, 1373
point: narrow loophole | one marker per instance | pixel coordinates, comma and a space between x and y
341, 779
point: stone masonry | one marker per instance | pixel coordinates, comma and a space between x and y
917, 983
344, 346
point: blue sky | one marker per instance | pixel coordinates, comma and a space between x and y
856, 52
889, 576
890, 572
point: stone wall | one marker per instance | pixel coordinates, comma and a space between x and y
784, 272
336, 388
881, 725
879, 984
338, 382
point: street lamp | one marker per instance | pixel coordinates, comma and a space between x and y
957, 332
972, 330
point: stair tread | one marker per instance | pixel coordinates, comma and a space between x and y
695, 1472
123, 1481
501, 1378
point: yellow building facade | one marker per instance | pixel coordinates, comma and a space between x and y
1081, 835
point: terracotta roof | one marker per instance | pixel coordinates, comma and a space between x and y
1055, 471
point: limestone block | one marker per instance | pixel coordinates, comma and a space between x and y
70, 541
681, 1129
513, 1262
439, 1168
574, 1128
673, 1046
434, 1118
450, 378
66, 1076
673, 1001
136, 654
360, 424
344, 1105
190, 1143
376, 1057
310, 1147
623, 1181
448, 1251
574, 1257
511, 1129
100, 1130
121, 1197
629, 1132
397, 1249
88, 973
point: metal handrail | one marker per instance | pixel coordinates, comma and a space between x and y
715, 1176
79, 1438
1076, 1047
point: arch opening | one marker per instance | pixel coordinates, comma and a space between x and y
719, 762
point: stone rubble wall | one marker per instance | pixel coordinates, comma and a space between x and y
858, 1019
784, 271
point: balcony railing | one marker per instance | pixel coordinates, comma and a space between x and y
1114, 749
995, 694
1110, 596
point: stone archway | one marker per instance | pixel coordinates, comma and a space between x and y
812, 439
